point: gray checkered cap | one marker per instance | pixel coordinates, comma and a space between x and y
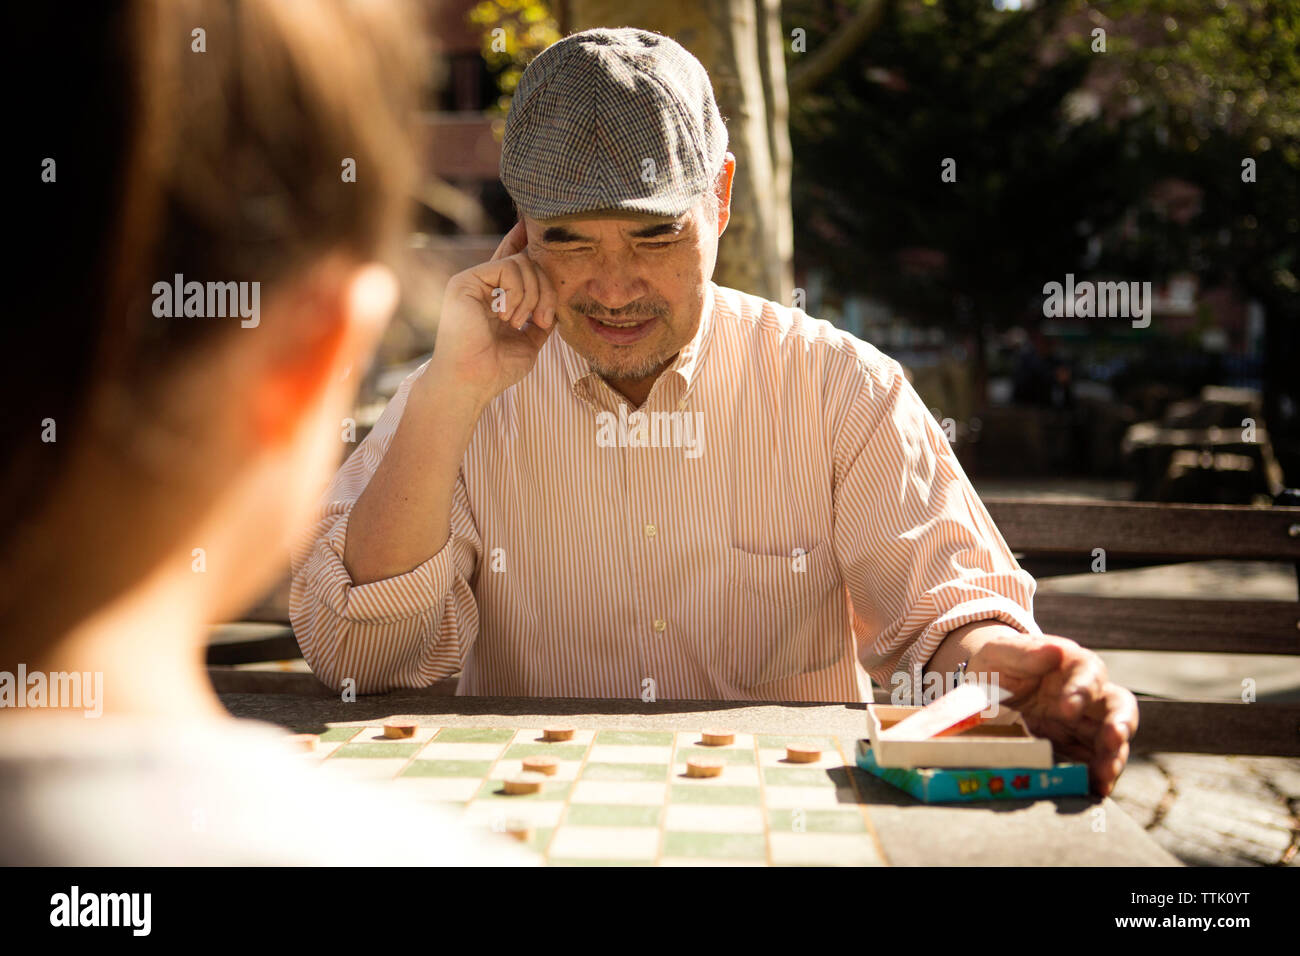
609, 121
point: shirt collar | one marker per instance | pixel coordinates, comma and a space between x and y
686, 365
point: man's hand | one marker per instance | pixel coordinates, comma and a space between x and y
486, 343
495, 318
1065, 695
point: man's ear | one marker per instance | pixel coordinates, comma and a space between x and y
722, 188
327, 328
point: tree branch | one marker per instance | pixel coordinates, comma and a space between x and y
848, 38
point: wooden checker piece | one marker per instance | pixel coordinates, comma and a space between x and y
515, 829
704, 767
518, 830
557, 734
542, 764
305, 742
399, 729
803, 753
716, 737
525, 783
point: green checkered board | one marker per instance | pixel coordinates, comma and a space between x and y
623, 797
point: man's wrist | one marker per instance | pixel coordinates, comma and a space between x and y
440, 388
961, 644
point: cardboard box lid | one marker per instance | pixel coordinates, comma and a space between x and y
1003, 740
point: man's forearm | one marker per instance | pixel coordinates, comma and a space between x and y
403, 517
961, 644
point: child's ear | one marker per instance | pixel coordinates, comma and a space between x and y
332, 326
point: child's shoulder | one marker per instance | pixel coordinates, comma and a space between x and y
233, 792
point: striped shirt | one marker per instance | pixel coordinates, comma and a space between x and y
783, 519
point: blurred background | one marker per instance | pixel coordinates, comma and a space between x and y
1130, 141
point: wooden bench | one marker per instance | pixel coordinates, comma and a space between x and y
1060, 538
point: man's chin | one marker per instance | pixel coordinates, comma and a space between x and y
626, 368
619, 364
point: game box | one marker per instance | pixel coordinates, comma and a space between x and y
997, 758
945, 785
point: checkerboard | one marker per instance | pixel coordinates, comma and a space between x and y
623, 796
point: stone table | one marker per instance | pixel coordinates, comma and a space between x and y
1069, 831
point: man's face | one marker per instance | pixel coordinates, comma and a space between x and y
631, 291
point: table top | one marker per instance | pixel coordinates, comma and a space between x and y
628, 756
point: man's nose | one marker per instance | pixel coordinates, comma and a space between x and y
615, 285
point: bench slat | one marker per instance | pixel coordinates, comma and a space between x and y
242, 645
1164, 624
1147, 530
1217, 727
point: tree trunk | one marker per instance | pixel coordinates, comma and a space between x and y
741, 45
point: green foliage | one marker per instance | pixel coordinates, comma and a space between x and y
1222, 87
1225, 67
514, 31
1194, 88
953, 79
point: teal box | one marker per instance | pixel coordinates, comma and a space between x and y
943, 785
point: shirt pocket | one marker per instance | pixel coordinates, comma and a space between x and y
785, 581
776, 609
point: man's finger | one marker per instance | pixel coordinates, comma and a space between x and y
1117, 713
1084, 673
1106, 766
1083, 683
544, 306
528, 302
1114, 717
514, 242
509, 291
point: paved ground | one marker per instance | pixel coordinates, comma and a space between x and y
1216, 811
1205, 810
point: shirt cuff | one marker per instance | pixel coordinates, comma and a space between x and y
397, 598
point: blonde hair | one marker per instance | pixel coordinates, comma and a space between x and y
196, 137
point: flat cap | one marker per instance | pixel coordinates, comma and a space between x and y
612, 121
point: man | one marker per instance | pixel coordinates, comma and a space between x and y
617, 479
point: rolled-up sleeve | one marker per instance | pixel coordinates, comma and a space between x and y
408, 630
917, 549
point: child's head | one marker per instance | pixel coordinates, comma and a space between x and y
262, 150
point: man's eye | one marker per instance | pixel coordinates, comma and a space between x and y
656, 245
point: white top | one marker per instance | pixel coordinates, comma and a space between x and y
152, 792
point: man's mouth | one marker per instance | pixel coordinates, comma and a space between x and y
621, 331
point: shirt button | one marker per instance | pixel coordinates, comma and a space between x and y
649, 531
660, 625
